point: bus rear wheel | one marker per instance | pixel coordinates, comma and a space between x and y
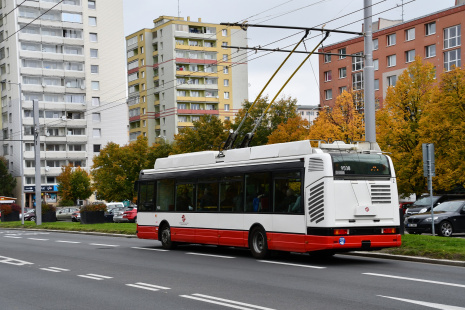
258, 244
166, 242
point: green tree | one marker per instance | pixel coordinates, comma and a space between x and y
208, 133
343, 122
7, 181
73, 184
281, 110
398, 124
443, 124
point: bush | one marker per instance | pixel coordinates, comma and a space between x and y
47, 208
7, 209
94, 207
66, 203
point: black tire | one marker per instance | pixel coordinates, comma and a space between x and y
165, 238
258, 244
32, 218
445, 229
135, 220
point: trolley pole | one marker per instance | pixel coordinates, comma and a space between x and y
429, 172
369, 74
35, 105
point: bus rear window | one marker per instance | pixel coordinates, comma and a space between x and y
360, 165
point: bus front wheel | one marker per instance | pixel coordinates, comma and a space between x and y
258, 244
166, 242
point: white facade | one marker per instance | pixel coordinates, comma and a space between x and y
69, 55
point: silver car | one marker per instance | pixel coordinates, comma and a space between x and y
65, 213
118, 215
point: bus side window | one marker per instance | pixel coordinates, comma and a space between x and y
257, 192
185, 197
287, 192
207, 194
231, 199
165, 195
146, 197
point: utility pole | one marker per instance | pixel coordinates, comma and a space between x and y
369, 75
35, 105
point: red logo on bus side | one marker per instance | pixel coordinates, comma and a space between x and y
367, 209
183, 217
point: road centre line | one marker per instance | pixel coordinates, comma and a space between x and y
413, 279
13, 237
50, 269
38, 239
64, 241
290, 264
94, 276
147, 286
149, 249
101, 244
211, 255
426, 304
224, 302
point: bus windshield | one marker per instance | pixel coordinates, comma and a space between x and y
360, 165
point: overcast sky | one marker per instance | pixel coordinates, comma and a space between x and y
140, 14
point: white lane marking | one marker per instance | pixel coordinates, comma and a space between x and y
94, 276
224, 302
38, 239
101, 244
147, 286
14, 261
54, 269
64, 241
13, 237
211, 255
413, 279
149, 249
289, 264
426, 304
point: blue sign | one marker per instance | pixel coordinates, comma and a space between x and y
45, 188
342, 241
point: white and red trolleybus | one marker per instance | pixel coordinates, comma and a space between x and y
290, 197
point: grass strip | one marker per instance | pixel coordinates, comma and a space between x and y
112, 228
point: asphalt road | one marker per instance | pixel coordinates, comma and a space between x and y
47, 270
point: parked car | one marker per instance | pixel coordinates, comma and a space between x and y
112, 205
26, 210
405, 205
449, 218
65, 213
423, 204
76, 216
30, 215
130, 215
118, 215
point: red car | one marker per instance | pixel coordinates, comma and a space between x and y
130, 215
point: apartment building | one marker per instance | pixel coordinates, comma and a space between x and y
181, 69
436, 38
68, 55
308, 112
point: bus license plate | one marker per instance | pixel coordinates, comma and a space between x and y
412, 225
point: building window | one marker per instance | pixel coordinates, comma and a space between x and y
357, 81
327, 76
376, 84
391, 39
94, 69
95, 101
95, 85
391, 80
226, 95
376, 64
430, 51
375, 44
93, 37
96, 117
92, 21
93, 53
327, 58
96, 148
342, 72
410, 34
410, 56
225, 57
224, 32
452, 36
342, 53
141, 37
225, 82
357, 62
224, 44
452, 58
226, 107
225, 70
91, 4
430, 28
391, 60
96, 132
342, 89
328, 94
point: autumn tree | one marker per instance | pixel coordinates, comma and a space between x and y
73, 184
7, 181
294, 129
208, 133
398, 124
343, 122
279, 112
443, 124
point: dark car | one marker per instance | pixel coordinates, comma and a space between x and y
423, 204
449, 218
30, 215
